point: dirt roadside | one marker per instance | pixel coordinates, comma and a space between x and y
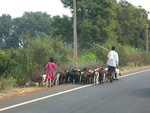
19, 91
27, 90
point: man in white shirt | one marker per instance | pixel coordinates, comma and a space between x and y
113, 61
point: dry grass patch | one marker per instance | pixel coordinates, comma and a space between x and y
23, 91
132, 68
18, 91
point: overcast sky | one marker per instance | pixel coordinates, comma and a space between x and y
16, 8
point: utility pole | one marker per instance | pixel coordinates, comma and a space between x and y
147, 38
75, 31
147, 32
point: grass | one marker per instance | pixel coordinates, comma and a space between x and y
132, 67
6, 84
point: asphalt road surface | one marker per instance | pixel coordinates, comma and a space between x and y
129, 94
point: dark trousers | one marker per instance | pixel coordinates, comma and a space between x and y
112, 70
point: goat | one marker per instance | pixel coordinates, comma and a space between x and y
41, 79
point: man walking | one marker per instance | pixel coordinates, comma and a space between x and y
113, 61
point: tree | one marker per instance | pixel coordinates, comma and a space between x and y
63, 27
29, 25
96, 20
5, 30
131, 24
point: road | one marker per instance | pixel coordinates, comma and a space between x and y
129, 94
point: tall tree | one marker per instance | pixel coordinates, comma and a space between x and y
31, 23
63, 27
27, 27
5, 29
132, 24
96, 20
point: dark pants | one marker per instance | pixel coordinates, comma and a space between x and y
111, 69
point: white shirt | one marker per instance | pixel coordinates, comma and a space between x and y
113, 59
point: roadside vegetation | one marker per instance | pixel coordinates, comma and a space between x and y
27, 42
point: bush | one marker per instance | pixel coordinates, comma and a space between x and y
3, 62
123, 56
88, 56
140, 58
145, 58
7, 83
15, 61
42, 49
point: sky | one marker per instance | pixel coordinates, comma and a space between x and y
144, 3
16, 8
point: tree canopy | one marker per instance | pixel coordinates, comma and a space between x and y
97, 21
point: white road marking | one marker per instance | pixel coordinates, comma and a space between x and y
38, 99
134, 73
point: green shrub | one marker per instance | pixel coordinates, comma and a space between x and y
7, 83
123, 56
42, 49
131, 50
140, 58
88, 56
145, 58
15, 61
3, 62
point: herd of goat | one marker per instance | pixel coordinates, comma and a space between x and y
77, 76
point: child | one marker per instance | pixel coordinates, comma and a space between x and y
50, 71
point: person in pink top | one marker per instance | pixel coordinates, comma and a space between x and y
50, 71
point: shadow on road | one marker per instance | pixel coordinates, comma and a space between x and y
143, 92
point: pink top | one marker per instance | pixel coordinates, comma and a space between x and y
50, 68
